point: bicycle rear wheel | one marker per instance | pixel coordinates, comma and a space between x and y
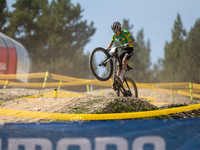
130, 86
97, 57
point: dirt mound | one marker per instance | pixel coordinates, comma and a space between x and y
122, 105
93, 103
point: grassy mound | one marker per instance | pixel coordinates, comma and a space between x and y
123, 105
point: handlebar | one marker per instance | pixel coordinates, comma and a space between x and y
116, 47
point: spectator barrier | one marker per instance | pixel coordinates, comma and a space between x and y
113, 116
186, 88
101, 135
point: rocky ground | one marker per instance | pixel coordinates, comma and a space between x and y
92, 103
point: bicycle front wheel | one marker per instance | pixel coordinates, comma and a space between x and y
130, 86
97, 57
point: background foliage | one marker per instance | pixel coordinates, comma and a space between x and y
181, 62
55, 35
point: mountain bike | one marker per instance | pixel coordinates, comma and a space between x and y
101, 66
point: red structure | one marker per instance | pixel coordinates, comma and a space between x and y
14, 58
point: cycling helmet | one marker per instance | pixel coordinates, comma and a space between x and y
116, 26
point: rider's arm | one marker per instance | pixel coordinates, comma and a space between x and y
112, 41
131, 41
109, 46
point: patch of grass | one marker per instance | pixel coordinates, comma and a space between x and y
80, 110
124, 105
121, 105
24, 95
180, 105
175, 105
40, 94
91, 102
85, 107
8, 98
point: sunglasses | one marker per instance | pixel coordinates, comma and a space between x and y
115, 31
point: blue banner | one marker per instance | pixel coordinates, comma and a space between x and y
103, 135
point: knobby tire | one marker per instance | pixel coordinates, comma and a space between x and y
108, 69
131, 85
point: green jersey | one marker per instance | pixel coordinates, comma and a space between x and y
123, 38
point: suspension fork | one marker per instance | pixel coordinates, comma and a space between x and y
106, 60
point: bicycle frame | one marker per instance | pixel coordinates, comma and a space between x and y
128, 87
114, 52
120, 87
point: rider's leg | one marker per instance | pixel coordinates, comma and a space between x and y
124, 57
118, 72
124, 66
121, 59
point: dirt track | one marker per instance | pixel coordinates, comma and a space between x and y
60, 105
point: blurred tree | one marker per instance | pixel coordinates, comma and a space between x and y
157, 71
3, 14
127, 26
23, 20
65, 35
174, 54
192, 55
181, 62
54, 34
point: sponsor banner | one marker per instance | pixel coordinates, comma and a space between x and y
103, 135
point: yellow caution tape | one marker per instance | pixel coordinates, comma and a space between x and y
22, 76
60, 94
71, 81
113, 116
148, 98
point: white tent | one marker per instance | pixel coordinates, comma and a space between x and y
14, 58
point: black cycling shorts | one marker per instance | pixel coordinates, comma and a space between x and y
126, 53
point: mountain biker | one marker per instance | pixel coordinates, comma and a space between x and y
126, 40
